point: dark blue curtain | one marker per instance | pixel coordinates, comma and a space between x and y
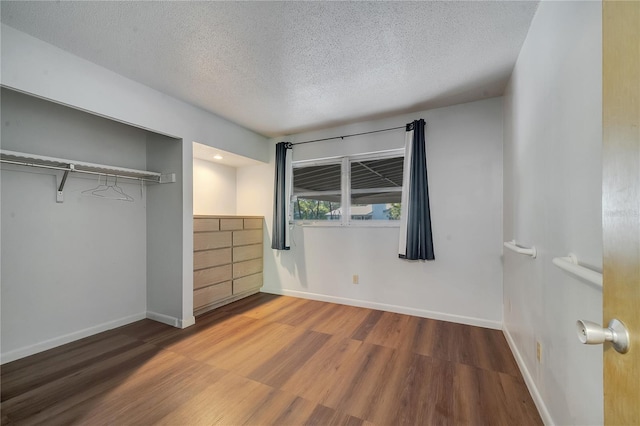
419, 240
280, 201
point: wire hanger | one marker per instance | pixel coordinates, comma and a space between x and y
111, 192
99, 187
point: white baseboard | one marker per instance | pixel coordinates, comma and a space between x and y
528, 379
68, 338
187, 322
172, 321
496, 325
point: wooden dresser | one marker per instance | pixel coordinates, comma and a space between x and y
227, 259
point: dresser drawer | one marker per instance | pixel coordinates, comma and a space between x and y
205, 277
201, 225
208, 295
211, 240
209, 258
252, 236
253, 223
248, 267
243, 253
228, 224
250, 282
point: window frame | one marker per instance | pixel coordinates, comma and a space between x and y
345, 188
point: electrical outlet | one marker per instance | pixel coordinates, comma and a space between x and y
356, 279
539, 351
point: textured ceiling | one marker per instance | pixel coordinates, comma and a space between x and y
284, 67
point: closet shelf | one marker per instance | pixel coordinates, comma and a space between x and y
24, 159
75, 166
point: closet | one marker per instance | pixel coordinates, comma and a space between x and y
83, 248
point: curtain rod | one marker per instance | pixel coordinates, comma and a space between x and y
348, 136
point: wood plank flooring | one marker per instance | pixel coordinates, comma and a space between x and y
274, 360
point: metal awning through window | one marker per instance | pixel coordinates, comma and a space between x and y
317, 178
382, 173
366, 176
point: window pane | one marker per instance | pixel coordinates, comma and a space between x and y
316, 208
383, 173
317, 178
376, 189
378, 197
380, 211
317, 192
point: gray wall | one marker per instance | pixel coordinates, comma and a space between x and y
164, 233
74, 268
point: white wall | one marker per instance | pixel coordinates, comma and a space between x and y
552, 199
463, 284
214, 188
75, 268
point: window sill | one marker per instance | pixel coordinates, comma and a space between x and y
336, 224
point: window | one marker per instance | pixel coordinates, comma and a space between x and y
376, 188
317, 191
367, 186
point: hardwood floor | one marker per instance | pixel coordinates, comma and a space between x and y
275, 360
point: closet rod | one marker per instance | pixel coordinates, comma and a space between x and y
348, 136
73, 169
